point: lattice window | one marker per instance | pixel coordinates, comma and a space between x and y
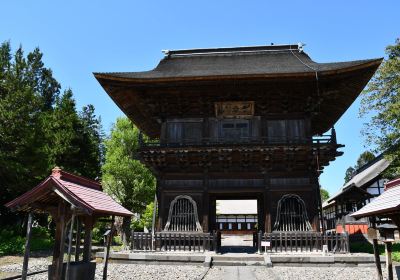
292, 214
183, 215
234, 130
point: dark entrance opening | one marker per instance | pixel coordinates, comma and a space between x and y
238, 221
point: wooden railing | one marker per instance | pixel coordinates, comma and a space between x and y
302, 242
252, 140
173, 241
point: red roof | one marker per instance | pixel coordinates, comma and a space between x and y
387, 203
83, 193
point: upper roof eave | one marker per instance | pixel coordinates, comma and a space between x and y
146, 77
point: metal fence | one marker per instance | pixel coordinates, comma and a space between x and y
174, 241
302, 242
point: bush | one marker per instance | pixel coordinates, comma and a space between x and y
366, 247
11, 241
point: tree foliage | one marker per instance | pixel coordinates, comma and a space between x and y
40, 127
381, 102
362, 160
324, 195
124, 177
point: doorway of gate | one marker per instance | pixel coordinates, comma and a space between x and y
237, 220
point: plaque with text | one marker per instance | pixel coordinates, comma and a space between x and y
234, 109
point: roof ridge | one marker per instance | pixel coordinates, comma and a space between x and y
208, 51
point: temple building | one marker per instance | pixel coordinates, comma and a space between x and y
367, 183
239, 123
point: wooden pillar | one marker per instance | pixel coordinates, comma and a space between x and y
77, 239
87, 246
376, 251
110, 238
206, 202
27, 247
212, 213
389, 267
321, 220
69, 246
58, 252
161, 204
267, 205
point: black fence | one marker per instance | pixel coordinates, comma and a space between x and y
174, 241
302, 242
271, 242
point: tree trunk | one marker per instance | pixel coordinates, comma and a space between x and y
126, 231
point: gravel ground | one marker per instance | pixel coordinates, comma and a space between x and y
170, 272
11, 266
292, 273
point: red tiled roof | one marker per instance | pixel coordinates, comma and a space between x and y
386, 203
83, 193
392, 183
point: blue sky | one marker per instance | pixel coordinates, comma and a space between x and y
81, 37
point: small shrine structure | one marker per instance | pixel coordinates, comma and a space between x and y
70, 200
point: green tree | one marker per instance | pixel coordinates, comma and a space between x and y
40, 127
25, 86
124, 177
324, 195
349, 174
381, 102
363, 159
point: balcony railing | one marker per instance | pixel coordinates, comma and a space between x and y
240, 141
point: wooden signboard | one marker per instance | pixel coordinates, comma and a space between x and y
234, 109
372, 234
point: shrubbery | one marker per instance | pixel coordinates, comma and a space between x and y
365, 247
11, 241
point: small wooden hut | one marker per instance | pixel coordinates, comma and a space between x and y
69, 199
387, 205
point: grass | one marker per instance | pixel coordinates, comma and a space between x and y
365, 247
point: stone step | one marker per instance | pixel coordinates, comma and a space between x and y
256, 258
237, 263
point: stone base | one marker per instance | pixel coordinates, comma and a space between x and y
78, 271
233, 259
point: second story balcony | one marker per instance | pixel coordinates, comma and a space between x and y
238, 141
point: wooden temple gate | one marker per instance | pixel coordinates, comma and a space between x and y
244, 122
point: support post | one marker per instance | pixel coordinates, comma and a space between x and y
77, 239
376, 252
259, 238
58, 252
389, 267
27, 247
153, 222
87, 246
110, 237
69, 246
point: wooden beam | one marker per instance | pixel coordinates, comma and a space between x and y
27, 247
376, 252
87, 245
389, 267
77, 239
58, 252
110, 237
69, 246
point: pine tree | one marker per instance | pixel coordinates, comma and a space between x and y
39, 127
